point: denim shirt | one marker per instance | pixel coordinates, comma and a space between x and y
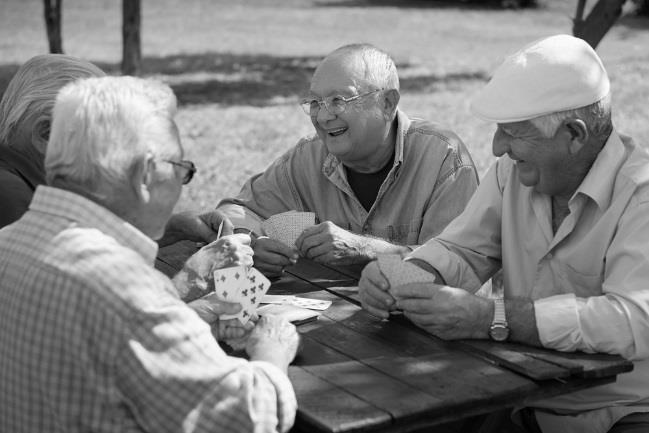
432, 179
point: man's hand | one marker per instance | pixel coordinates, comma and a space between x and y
195, 279
196, 228
210, 308
373, 289
328, 243
272, 256
274, 340
447, 312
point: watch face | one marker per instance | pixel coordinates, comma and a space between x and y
499, 332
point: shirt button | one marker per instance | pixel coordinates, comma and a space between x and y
549, 256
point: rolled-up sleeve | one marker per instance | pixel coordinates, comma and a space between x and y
265, 194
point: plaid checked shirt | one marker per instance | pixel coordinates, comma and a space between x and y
93, 338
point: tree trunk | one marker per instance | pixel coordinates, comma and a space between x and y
599, 21
131, 46
53, 25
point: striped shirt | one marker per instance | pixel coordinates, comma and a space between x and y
93, 338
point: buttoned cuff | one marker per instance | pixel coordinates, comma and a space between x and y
557, 321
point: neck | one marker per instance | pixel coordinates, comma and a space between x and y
381, 156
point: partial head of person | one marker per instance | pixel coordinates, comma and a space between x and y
26, 106
114, 140
551, 101
352, 103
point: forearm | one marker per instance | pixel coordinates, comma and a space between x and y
522, 321
375, 246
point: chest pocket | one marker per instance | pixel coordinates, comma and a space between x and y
580, 283
405, 234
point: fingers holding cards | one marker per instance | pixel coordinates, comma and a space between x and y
399, 273
243, 285
287, 227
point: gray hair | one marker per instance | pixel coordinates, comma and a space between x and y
379, 67
597, 117
33, 89
101, 126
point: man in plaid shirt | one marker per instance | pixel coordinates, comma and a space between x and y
92, 337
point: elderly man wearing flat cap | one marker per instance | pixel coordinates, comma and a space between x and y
565, 214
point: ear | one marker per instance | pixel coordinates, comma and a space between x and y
578, 134
391, 99
142, 177
41, 134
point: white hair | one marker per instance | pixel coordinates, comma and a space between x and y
378, 66
101, 126
597, 117
32, 90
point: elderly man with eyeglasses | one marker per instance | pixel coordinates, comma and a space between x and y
93, 338
378, 181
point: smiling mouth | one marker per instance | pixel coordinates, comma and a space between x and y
336, 132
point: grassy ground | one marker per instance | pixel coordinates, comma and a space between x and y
238, 67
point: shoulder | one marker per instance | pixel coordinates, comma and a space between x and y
308, 151
15, 196
425, 137
635, 171
106, 272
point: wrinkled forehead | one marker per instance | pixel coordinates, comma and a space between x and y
344, 75
516, 129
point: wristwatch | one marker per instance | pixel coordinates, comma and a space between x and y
499, 329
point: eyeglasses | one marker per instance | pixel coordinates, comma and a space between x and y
335, 105
189, 167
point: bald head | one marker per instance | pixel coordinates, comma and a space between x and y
365, 65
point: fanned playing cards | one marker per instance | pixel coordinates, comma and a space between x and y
243, 285
286, 227
400, 273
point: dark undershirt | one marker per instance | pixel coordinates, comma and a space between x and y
366, 185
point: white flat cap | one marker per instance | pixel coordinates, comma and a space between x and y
553, 74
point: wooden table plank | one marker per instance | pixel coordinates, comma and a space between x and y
326, 401
357, 372
523, 358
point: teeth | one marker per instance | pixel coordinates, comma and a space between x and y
336, 132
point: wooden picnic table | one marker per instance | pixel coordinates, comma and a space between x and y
356, 372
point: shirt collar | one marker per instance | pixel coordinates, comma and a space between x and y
331, 162
29, 165
89, 214
600, 180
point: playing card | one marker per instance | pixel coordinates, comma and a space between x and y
291, 313
312, 304
243, 285
286, 227
399, 272
277, 299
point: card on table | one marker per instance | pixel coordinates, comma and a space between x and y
243, 285
310, 303
400, 273
286, 227
293, 314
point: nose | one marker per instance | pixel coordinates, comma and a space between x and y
500, 144
324, 114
